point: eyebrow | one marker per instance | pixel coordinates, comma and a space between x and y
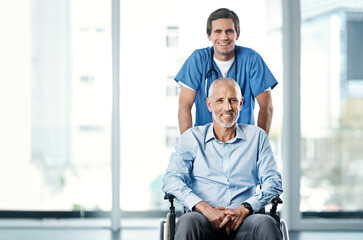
218, 29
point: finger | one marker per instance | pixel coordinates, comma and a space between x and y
228, 229
220, 208
224, 222
229, 212
236, 226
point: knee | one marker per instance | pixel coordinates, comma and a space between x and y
191, 220
192, 225
265, 227
269, 222
271, 227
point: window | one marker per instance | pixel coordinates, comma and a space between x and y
172, 89
172, 37
331, 116
86, 79
55, 131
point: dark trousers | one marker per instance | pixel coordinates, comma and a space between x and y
195, 226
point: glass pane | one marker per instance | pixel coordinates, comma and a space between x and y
55, 105
331, 106
154, 45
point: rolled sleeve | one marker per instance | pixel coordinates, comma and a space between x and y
190, 75
261, 77
177, 180
268, 175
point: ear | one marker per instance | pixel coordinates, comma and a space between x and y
209, 38
237, 37
241, 104
209, 105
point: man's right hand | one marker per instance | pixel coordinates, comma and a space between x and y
215, 216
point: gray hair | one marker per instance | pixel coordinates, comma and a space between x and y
229, 82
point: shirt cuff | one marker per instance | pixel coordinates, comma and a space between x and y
191, 200
255, 204
184, 85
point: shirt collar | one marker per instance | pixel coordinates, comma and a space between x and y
240, 134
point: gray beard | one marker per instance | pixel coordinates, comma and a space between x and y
223, 124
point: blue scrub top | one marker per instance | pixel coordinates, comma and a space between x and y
253, 76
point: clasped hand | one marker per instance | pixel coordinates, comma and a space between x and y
227, 219
223, 218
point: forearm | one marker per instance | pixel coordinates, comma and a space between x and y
174, 183
264, 120
202, 207
271, 188
186, 101
177, 179
185, 119
265, 113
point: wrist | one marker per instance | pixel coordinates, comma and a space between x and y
249, 208
200, 206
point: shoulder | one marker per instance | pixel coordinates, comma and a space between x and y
192, 138
246, 52
202, 53
252, 131
197, 132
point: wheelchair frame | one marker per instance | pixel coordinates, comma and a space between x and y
171, 217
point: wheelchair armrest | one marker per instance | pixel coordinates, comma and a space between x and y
171, 216
275, 202
169, 196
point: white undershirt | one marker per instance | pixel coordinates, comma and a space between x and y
224, 66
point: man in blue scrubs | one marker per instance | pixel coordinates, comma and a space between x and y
215, 170
225, 59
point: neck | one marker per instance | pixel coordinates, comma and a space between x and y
224, 134
224, 57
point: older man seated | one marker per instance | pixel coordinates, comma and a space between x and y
215, 170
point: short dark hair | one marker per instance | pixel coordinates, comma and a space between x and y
223, 13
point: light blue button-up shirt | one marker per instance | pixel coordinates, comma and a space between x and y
202, 168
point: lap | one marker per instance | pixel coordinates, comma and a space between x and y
257, 226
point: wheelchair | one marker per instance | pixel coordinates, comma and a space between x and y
169, 229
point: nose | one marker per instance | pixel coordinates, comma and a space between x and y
224, 35
227, 106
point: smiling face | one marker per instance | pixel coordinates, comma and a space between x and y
225, 102
223, 36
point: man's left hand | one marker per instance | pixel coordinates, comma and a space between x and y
234, 218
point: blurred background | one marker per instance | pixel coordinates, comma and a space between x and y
56, 100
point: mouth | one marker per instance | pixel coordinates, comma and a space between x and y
227, 114
224, 44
